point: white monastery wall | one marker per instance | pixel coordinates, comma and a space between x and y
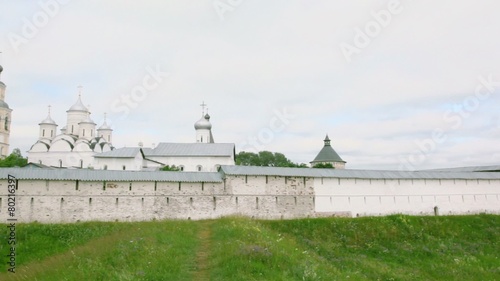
264, 197
361, 197
272, 197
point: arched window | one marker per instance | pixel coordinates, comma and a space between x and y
51, 133
124, 167
60, 163
43, 132
198, 168
217, 167
105, 167
6, 123
81, 163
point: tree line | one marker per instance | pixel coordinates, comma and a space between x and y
262, 158
271, 159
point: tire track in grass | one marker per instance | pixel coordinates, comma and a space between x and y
97, 246
202, 256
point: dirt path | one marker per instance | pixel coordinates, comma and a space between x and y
203, 273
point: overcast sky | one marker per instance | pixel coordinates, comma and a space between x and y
395, 84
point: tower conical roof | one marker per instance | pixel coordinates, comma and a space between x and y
327, 153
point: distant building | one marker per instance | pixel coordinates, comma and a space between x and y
194, 157
5, 119
77, 143
80, 145
327, 155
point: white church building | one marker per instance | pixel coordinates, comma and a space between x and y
80, 145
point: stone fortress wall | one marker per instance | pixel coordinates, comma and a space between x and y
52, 196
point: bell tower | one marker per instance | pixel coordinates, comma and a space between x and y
5, 119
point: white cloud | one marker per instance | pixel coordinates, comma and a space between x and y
264, 56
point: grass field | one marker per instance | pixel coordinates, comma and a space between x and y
380, 248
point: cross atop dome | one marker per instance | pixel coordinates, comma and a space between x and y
203, 105
105, 125
80, 88
78, 106
48, 120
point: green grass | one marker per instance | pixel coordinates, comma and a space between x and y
380, 248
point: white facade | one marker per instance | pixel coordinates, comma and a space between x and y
75, 146
363, 197
188, 157
120, 163
195, 164
80, 145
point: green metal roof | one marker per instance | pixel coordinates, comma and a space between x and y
107, 175
352, 174
327, 154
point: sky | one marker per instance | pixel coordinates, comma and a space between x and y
402, 85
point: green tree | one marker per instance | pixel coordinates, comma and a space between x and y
265, 158
324, 165
170, 168
15, 159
